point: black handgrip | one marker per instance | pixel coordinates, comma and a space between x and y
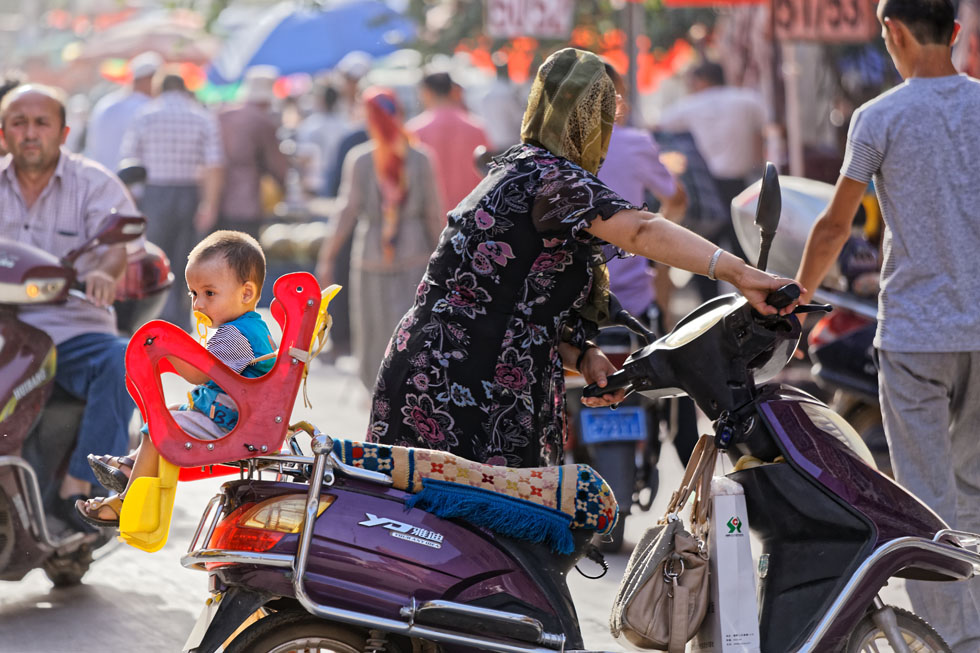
783, 297
615, 381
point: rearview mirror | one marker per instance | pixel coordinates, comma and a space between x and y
116, 229
767, 212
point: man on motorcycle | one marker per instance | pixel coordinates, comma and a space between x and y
55, 200
920, 142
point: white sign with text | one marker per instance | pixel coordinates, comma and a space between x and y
543, 19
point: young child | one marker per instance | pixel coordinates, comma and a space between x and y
224, 274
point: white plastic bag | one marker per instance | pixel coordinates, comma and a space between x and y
732, 622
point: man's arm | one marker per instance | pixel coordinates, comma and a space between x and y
829, 233
100, 270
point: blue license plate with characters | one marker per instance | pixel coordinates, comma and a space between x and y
625, 424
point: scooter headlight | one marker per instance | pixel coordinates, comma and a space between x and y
31, 291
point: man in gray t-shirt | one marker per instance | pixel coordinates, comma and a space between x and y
920, 142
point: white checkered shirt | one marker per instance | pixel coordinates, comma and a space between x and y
70, 209
174, 137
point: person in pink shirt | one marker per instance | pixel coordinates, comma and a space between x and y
452, 135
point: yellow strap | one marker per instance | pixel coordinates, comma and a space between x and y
321, 333
320, 339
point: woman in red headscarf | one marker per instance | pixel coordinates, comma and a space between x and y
390, 204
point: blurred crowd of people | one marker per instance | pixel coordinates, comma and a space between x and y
390, 176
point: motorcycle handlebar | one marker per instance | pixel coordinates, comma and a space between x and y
614, 382
784, 296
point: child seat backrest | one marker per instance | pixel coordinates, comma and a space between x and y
264, 403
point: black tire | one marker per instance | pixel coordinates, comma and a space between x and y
67, 570
866, 420
919, 635
616, 463
8, 534
646, 491
296, 630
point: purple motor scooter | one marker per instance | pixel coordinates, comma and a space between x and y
327, 557
38, 421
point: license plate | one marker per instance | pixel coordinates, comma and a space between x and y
203, 623
625, 424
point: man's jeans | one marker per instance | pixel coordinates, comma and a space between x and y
92, 367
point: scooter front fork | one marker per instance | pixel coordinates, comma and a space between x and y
884, 618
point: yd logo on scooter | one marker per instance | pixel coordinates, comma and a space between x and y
404, 531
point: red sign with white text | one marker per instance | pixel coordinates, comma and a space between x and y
543, 19
827, 21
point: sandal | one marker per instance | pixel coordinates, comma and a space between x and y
89, 510
111, 471
64, 510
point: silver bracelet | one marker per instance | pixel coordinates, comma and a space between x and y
713, 262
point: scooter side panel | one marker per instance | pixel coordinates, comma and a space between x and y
368, 553
803, 434
25, 383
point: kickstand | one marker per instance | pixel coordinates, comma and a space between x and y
593, 553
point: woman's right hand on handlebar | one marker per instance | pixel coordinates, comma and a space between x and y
755, 285
596, 369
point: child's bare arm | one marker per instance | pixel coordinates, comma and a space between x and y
189, 372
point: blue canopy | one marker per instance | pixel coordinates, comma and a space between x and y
309, 40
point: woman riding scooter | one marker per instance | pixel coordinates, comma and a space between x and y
517, 285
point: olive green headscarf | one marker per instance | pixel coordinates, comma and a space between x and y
572, 107
570, 112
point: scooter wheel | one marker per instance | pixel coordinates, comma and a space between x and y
867, 637
297, 630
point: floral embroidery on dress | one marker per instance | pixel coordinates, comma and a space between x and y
473, 367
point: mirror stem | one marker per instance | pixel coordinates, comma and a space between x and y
764, 246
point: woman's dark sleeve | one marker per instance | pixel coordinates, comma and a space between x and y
568, 199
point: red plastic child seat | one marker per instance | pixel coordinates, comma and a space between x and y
264, 404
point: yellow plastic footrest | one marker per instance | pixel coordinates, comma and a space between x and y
148, 508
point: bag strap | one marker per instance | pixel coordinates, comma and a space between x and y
697, 480
679, 626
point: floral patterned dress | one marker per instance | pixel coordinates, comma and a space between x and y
473, 367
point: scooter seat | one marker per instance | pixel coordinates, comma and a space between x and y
536, 503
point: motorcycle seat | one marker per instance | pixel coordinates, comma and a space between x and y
264, 403
542, 504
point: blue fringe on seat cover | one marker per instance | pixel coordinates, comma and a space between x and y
497, 512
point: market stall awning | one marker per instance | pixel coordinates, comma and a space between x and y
298, 39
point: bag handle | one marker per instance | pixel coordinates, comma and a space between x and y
697, 480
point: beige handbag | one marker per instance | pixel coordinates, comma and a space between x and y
664, 594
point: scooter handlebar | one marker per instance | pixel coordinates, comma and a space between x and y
784, 296
614, 382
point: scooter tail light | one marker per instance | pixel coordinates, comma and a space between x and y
258, 527
834, 326
283, 514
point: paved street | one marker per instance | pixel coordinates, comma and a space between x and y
134, 601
